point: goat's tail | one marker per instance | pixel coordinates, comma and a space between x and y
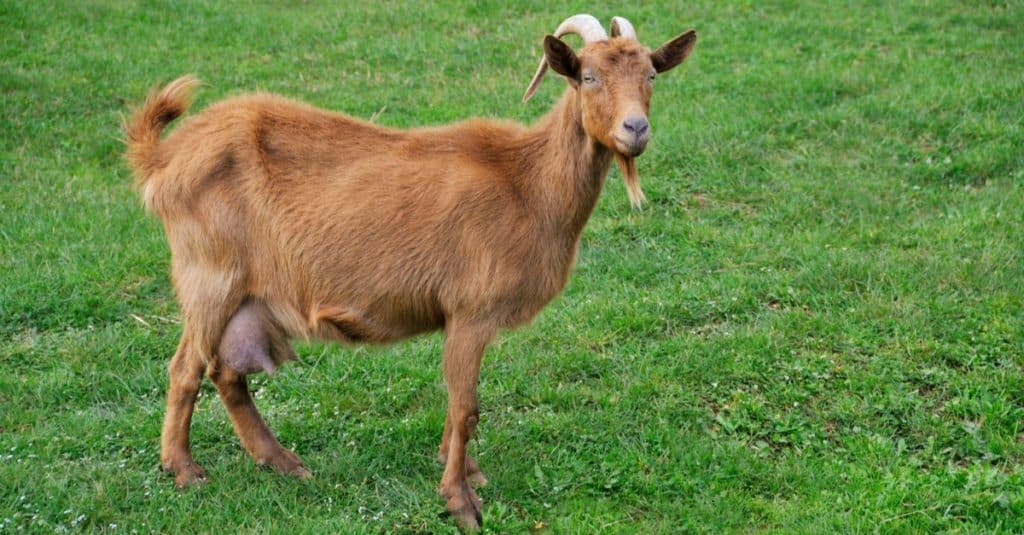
142, 131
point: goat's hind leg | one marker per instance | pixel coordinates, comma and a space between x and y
249, 344
186, 373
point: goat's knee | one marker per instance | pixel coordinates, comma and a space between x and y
245, 346
470, 422
464, 419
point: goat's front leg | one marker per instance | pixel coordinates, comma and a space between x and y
463, 349
473, 473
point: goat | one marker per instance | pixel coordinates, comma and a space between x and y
286, 221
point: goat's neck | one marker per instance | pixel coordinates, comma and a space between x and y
570, 168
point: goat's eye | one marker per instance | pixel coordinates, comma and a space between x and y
589, 78
650, 78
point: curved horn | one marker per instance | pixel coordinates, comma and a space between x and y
586, 26
622, 28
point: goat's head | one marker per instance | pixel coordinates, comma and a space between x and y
615, 78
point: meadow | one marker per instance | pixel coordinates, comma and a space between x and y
816, 324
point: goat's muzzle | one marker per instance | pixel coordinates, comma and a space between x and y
632, 136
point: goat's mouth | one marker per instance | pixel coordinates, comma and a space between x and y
631, 146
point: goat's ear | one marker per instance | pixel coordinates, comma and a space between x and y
673, 52
562, 59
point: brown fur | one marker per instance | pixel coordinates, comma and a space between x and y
307, 223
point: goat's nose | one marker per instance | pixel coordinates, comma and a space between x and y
637, 125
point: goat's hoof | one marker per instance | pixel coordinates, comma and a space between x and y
287, 463
186, 473
301, 472
465, 507
477, 479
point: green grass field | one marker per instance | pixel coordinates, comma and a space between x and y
815, 325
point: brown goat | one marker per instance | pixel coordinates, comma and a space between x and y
286, 221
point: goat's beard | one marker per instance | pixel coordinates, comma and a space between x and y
628, 166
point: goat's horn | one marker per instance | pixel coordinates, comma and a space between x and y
586, 26
622, 28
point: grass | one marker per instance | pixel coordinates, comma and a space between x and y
815, 325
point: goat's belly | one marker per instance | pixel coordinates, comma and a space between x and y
369, 325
